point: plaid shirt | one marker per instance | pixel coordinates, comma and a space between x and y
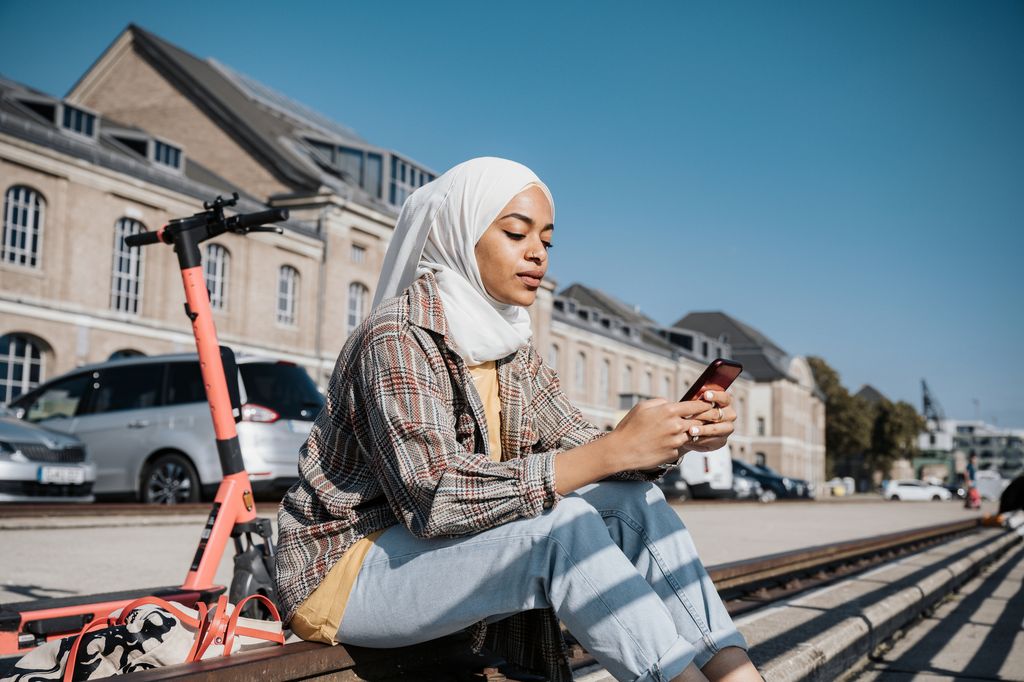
402, 439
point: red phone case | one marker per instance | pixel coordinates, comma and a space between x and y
718, 376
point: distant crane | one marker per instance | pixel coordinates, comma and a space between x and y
932, 411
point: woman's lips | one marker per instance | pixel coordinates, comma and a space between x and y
530, 279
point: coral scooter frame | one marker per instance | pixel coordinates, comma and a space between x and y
24, 625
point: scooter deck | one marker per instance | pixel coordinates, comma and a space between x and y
40, 619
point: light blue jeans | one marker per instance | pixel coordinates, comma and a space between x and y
613, 560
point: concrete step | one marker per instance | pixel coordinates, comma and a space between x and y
825, 633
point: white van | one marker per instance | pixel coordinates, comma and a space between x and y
708, 474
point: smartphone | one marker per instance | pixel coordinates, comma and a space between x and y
717, 377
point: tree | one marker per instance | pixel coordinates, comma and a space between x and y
848, 419
894, 434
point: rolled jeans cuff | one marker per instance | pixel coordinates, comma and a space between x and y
717, 641
671, 663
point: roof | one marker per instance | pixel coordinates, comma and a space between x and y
270, 126
611, 307
106, 151
870, 394
762, 359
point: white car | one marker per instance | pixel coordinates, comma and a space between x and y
912, 489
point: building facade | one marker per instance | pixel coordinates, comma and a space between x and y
150, 132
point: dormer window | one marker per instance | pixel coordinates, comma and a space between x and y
79, 121
406, 178
166, 155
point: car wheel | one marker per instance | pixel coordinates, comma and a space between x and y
895, 498
169, 479
936, 498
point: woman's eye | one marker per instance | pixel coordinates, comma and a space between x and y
514, 235
548, 245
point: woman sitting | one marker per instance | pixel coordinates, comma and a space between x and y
449, 482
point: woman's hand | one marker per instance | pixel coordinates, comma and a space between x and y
655, 431
716, 423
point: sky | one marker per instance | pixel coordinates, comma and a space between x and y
846, 177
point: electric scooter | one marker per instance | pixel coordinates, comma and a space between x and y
24, 625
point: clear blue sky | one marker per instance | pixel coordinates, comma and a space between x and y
846, 177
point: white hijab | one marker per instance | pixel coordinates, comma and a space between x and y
437, 231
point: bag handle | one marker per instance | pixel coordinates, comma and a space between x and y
233, 627
213, 630
69, 666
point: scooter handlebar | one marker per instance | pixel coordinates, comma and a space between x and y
250, 220
142, 239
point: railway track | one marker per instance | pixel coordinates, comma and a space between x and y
744, 585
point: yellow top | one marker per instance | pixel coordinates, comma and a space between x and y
485, 378
319, 617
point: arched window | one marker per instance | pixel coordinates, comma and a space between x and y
553, 357
287, 295
605, 378
581, 371
126, 353
627, 379
126, 279
215, 270
358, 304
646, 387
21, 365
666, 387
23, 226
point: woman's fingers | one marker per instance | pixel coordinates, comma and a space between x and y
717, 414
719, 398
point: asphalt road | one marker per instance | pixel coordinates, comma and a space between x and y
64, 556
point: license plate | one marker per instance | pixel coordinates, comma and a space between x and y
300, 426
62, 475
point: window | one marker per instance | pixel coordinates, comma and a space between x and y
59, 400
287, 293
126, 353
553, 357
627, 380
126, 281
132, 387
405, 179
358, 254
23, 226
361, 167
666, 387
282, 387
605, 378
581, 371
215, 270
78, 121
704, 348
166, 155
184, 384
646, 387
760, 459
760, 426
358, 304
21, 366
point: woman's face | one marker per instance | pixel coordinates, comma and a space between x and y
513, 253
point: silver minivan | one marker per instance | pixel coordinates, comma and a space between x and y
147, 426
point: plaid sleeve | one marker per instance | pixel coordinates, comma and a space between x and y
560, 424
432, 483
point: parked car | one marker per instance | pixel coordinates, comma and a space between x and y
673, 485
39, 465
913, 489
796, 487
746, 488
147, 426
774, 485
708, 474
